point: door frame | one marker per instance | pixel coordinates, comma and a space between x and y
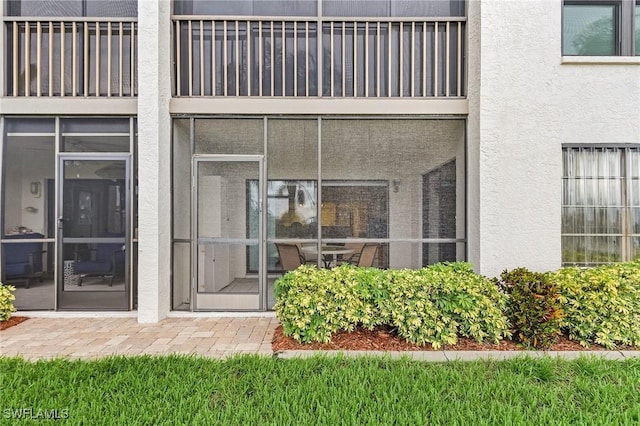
261, 297
59, 237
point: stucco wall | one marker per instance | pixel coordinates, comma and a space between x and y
524, 104
154, 168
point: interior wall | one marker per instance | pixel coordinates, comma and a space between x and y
396, 150
13, 191
27, 161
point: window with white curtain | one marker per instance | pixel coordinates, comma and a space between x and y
600, 205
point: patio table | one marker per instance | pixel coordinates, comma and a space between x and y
329, 253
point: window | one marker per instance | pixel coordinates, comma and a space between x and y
600, 28
69, 8
637, 39
382, 8
350, 209
600, 205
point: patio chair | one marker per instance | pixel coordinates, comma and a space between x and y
290, 256
366, 256
23, 261
353, 257
107, 262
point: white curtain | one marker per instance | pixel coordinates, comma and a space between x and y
599, 184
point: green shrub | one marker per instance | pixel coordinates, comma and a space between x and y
431, 305
312, 304
439, 303
602, 304
533, 307
6, 301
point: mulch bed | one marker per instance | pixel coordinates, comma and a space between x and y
11, 322
384, 338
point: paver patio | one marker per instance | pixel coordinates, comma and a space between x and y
86, 338
219, 337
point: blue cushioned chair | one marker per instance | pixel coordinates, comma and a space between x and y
23, 261
107, 262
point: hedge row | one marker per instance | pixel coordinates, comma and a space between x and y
442, 302
431, 305
601, 305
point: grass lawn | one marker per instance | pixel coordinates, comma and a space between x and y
253, 390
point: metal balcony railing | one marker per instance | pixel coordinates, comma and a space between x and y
359, 57
89, 57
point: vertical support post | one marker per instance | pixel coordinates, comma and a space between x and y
154, 162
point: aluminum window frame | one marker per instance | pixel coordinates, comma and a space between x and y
627, 235
624, 24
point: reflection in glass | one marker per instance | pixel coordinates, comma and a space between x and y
94, 215
94, 198
350, 209
291, 213
589, 30
357, 209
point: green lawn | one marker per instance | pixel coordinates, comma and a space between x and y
253, 390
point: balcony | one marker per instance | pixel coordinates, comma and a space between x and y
278, 57
71, 57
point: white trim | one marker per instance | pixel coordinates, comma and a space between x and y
234, 314
101, 135
80, 314
321, 106
68, 106
56, 19
278, 18
601, 60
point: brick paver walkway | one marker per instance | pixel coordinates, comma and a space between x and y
86, 338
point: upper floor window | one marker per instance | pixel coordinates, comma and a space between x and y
601, 28
73, 8
393, 8
246, 7
332, 8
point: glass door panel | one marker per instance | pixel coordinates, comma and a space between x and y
93, 229
227, 235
